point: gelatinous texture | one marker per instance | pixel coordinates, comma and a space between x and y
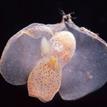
63, 44
87, 71
20, 56
36, 30
45, 79
47, 51
45, 47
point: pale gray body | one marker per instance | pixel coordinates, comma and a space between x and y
86, 72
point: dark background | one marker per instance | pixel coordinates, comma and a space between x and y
14, 15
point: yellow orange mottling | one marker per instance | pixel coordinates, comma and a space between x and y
45, 79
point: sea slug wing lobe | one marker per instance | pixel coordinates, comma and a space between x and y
21, 54
87, 70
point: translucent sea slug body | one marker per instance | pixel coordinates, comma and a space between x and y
55, 58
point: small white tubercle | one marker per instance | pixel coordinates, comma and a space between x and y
45, 46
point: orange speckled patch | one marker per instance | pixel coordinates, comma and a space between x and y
45, 79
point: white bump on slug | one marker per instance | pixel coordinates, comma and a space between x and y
57, 46
63, 45
45, 47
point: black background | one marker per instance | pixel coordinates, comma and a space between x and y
14, 15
